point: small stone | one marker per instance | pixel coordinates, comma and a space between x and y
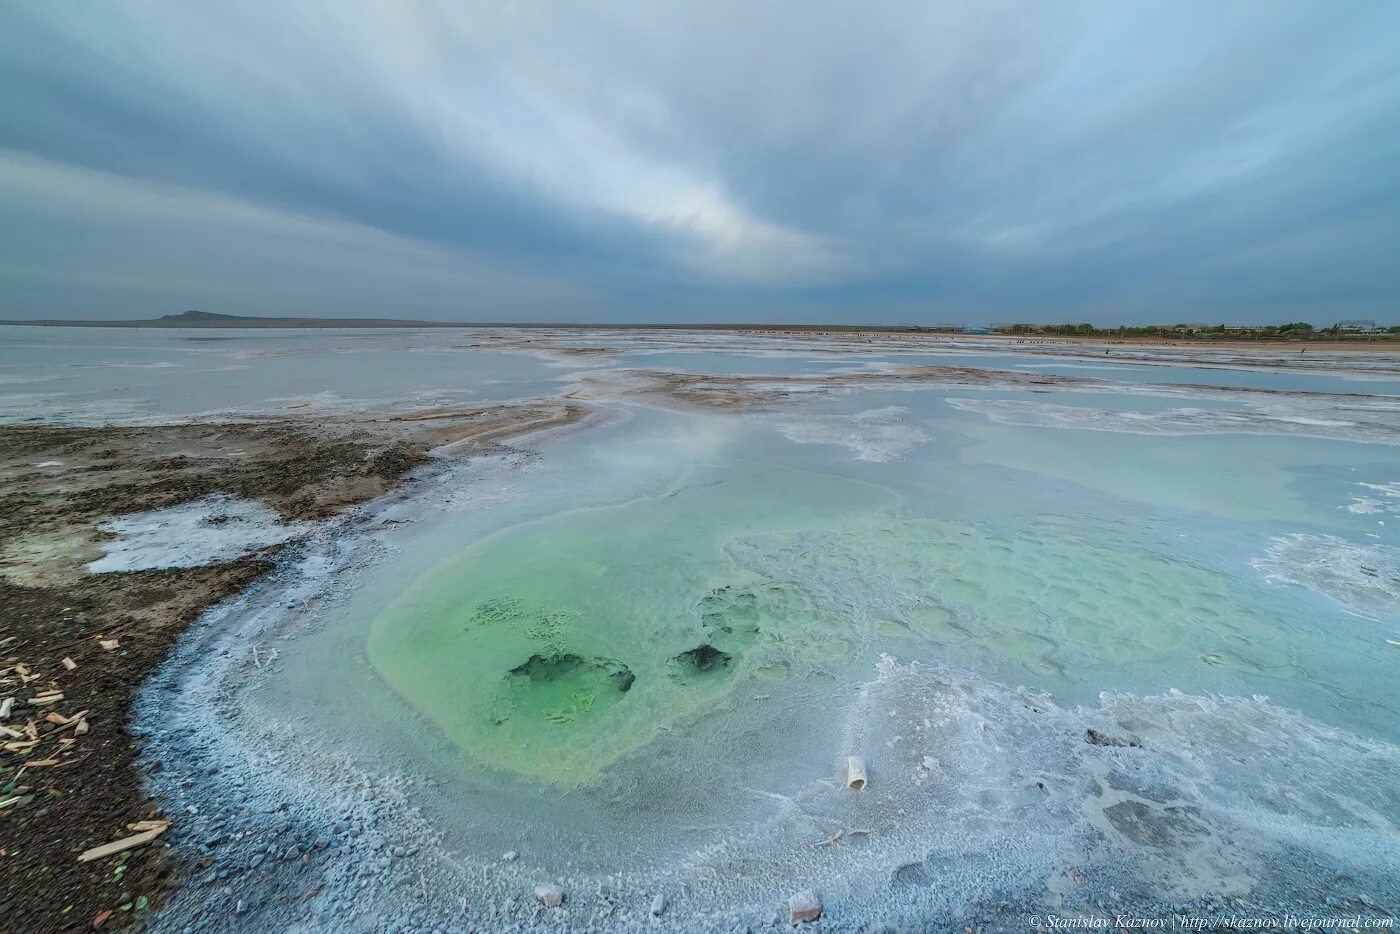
291, 854
658, 905
400, 852
804, 906
509, 857
253, 863
550, 895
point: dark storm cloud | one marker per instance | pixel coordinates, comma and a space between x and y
1123, 162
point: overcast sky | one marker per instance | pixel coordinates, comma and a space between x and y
716, 161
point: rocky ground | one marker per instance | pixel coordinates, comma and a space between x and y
75, 646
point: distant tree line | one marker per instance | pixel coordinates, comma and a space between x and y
1290, 330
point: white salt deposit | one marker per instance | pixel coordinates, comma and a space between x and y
206, 531
1365, 579
1384, 498
1262, 417
874, 435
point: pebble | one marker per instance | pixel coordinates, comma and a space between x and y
550, 895
804, 906
509, 857
658, 905
400, 852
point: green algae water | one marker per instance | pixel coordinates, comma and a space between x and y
554, 647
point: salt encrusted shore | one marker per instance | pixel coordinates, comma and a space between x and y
77, 643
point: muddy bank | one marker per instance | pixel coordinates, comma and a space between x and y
689, 391
709, 392
75, 646
1369, 357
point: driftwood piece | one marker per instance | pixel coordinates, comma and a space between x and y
125, 843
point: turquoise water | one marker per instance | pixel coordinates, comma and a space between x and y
1075, 561
555, 646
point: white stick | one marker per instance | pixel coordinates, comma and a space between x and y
855, 773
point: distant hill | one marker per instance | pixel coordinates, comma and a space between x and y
193, 316
209, 319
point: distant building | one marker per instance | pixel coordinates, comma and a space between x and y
1358, 327
975, 331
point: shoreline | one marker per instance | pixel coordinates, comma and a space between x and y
71, 779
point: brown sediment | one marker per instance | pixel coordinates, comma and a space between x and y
709, 392
1267, 354
68, 778
545, 344
703, 391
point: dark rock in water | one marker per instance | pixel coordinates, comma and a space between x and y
566, 686
545, 669
703, 658
548, 667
